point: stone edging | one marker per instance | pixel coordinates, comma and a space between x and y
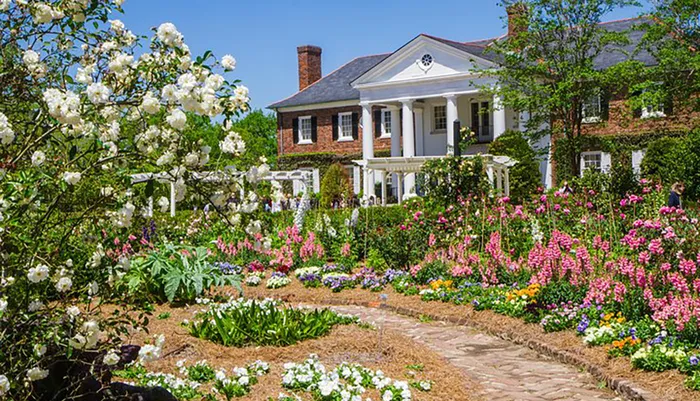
623, 387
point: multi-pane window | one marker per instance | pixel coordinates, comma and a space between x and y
345, 126
592, 109
481, 121
653, 111
386, 122
305, 130
591, 161
440, 118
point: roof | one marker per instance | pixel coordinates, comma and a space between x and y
336, 86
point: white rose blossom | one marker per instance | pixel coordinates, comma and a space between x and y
38, 158
72, 178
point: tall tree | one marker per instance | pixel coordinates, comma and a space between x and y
673, 38
547, 65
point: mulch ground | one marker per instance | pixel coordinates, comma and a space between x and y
389, 351
667, 385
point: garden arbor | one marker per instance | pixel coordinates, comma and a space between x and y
497, 171
228, 174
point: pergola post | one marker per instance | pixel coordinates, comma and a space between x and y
399, 188
499, 180
383, 175
172, 198
507, 181
150, 206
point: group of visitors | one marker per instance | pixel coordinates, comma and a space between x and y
674, 198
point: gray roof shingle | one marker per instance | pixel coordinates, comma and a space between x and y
336, 86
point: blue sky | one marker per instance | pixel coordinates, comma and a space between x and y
263, 34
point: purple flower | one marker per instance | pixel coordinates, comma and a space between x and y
228, 268
693, 360
583, 325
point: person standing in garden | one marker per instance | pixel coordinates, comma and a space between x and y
674, 199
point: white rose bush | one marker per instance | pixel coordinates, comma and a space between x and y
81, 110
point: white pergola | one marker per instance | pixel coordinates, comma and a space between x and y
497, 170
229, 173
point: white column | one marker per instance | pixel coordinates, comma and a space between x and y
452, 116
399, 188
507, 181
418, 134
395, 140
409, 145
367, 147
499, 181
499, 117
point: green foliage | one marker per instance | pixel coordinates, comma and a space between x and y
524, 176
244, 322
174, 274
447, 180
556, 74
675, 159
335, 186
375, 261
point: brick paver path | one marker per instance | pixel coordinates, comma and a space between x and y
506, 371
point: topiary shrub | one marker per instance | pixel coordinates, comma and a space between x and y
335, 186
524, 176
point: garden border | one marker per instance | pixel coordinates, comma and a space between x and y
625, 388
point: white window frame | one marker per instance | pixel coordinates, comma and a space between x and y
341, 135
583, 161
386, 117
435, 119
653, 111
310, 139
596, 117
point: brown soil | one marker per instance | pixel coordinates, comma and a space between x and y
388, 351
666, 385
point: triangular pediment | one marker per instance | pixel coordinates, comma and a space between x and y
424, 57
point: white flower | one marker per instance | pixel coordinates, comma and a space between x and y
30, 57
3, 305
228, 62
38, 273
36, 373
35, 305
232, 144
72, 178
6, 133
98, 93
150, 104
93, 288
4, 5
169, 35
4, 385
72, 312
39, 350
164, 204
84, 75
177, 119
38, 158
111, 358
64, 284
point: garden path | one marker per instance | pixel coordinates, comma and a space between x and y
506, 371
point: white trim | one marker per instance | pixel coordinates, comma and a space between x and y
302, 140
341, 137
582, 167
428, 98
318, 106
396, 57
414, 81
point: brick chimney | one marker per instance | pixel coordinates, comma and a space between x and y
309, 65
516, 13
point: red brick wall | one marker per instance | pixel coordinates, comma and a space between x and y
621, 121
325, 142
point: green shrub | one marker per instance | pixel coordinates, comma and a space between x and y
661, 160
173, 274
524, 176
446, 180
241, 322
335, 186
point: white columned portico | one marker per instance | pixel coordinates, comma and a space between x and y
367, 148
452, 116
499, 117
409, 145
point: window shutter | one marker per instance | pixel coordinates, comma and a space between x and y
335, 127
355, 126
605, 96
668, 106
581, 166
605, 162
295, 128
377, 123
637, 157
314, 130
